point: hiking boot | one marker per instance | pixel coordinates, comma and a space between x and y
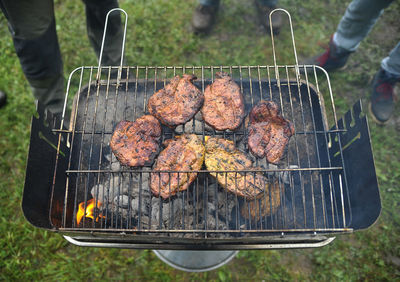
382, 101
263, 15
204, 17
3, 98
333, 58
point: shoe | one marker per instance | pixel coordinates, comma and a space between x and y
3, 98
263, 15
382, 99
333, 58
204, 17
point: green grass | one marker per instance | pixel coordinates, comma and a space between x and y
158, 34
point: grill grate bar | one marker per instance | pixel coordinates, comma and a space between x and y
209, 171
102, 137
80, 151
284, 231
296, 144
69, 159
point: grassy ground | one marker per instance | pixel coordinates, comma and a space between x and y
158, 34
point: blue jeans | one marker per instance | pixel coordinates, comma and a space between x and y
270, 3
357, 22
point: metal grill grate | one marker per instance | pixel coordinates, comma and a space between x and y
313, 192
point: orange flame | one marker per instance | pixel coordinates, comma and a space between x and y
91, 204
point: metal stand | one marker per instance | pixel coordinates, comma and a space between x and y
195, 261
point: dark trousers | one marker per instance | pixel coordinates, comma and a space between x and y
33, 29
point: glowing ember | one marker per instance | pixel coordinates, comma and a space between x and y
91, 204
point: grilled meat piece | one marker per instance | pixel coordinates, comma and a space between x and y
221, 155
223, 103
266, 205
259, 137
136, 143
184, 153
177, 102
269, 132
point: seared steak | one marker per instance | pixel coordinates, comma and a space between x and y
269, 132
136, 143
184, 153
222, 155
223, 103
177, 102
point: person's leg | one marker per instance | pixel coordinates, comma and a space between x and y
382, 99
264, 8
32, 27
269, 3
391, 63
358, 20
96, 12
204, 15
209, 2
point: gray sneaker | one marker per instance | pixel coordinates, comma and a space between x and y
204, 18
382, 101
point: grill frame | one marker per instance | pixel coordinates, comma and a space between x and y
257, 238
96, 92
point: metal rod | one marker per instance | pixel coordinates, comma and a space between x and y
212, 171
122, 47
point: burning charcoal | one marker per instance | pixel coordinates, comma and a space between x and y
172, 213
285, 175
107, 157
145, 220
225, 202
135, 206
89, 223
119, 212
155, 213
122, 201
212, 224
118, 185
210, 207
115, 166
272, 174
199, 117
99, 192
110, 189
194, 126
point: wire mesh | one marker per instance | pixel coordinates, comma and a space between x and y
311, 192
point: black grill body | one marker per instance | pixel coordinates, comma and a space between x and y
330, 185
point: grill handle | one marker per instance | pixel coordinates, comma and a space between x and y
319, 242
122, 47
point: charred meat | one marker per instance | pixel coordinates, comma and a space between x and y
269, 132
266, 205
177, 102
223, 103
136, 143
184, 153
222, 155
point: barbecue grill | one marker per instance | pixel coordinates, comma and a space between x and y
76, 187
